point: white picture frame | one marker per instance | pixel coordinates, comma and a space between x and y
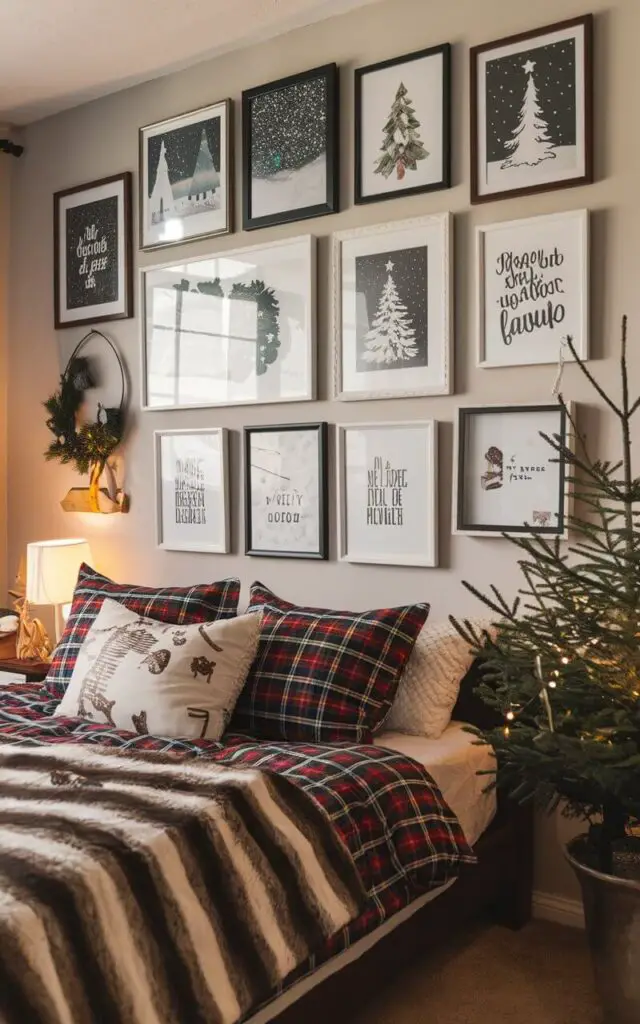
231, 328
192, 490
400, 271
532, 288
505, 479
381, 467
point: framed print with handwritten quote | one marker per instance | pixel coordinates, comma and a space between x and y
192, 496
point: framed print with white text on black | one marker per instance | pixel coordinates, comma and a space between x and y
387, 486
290, 149
392, 309
402, 125
286, 503
186, 177
192, 490
532, 111
93, 269
533, 289
508, 478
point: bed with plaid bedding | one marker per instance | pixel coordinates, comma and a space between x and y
387, 810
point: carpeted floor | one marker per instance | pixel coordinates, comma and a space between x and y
540, 975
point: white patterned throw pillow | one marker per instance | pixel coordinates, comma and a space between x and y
166, 680
430, 683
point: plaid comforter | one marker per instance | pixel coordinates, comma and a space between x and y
385, 807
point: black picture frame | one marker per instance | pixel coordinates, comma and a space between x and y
331, 202
466, 414
322, 430
584, 24
444, 50
119, 186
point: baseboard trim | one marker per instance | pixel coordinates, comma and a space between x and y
549, 907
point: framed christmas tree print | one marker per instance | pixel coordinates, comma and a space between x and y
290, 149
392, 310
532, 111
185, 177
402, 125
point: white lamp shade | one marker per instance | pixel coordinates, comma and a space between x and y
52, 569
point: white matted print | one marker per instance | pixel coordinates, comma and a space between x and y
532, 111
533, 289
387, 481
286, 490
392, 309
235, 328
508, 477
192, 490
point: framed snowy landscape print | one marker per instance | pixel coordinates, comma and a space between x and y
185, 177
532, 111
402, 125
191, 490
387, 486
286, 502
392, 309
533, 289
508, 478
234, 328
290, 149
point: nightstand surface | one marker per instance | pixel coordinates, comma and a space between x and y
34, 671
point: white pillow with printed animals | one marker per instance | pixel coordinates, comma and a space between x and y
166, 680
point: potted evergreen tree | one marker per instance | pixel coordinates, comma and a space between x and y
563, 668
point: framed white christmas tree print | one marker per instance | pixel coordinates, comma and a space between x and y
532, 111
402, 125
185, 177
392, 310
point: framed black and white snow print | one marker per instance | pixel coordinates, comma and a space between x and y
508, 478
387, 486
286, 503
186, 177
290, 156
192, 510
532, 111
233, 328
392, 309
533, 289
402, 125
93, 269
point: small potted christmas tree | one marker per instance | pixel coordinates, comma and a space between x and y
563, 668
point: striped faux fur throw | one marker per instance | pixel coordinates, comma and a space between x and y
145, 890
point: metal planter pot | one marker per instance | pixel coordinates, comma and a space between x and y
612, 915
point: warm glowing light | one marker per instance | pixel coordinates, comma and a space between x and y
506, 732
552, 684
510, 716
565, 661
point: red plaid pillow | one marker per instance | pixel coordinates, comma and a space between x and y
203, 603
324, 676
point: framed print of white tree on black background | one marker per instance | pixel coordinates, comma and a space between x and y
392, 309
402, 125
532, 111
290, 149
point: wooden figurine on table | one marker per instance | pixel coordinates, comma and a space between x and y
33, 641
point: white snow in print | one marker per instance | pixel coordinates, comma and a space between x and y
290, 189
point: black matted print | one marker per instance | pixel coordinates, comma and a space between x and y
92, 253
392, 310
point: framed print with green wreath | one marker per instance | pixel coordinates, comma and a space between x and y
233, 328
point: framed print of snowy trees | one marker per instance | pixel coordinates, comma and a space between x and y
290, 149
532, 111
185, 178
234, 328
402, 125
392, 309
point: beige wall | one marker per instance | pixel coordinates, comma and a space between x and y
6, 167
101, 138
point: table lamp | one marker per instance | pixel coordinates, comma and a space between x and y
52, 573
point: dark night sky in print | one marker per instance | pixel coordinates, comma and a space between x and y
555, 79
288, 127
410, 276
182, 146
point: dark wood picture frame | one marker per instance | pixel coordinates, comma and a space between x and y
322, 430
332, 201
586, 23
465, 416
411, 190
126, 178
